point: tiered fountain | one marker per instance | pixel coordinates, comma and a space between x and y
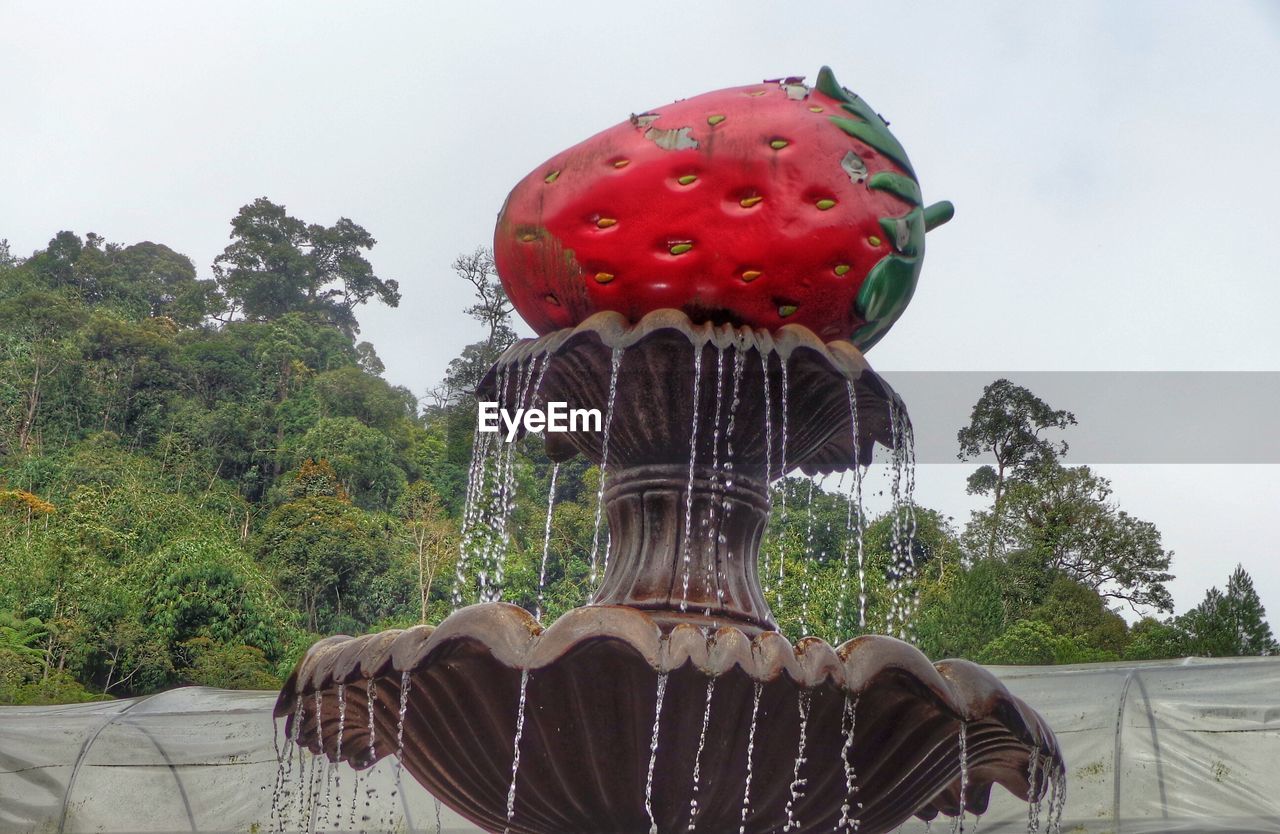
706, 276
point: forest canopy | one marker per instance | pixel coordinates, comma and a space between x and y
201, 476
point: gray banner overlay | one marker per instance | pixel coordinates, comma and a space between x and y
1123, 416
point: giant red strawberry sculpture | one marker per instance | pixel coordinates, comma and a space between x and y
763, 205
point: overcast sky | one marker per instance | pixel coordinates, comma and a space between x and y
1113, 167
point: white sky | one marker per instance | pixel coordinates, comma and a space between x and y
1113, 167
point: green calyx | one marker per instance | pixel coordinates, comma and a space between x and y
888, 287
883, 297
866, 124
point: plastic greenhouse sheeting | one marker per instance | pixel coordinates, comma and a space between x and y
1188, 745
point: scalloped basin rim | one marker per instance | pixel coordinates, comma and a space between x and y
617, 331
516, 640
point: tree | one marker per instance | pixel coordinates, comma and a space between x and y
1153, 639
431, 534
963, 612
1062, 521
40, 326
1072, 609
1229, 624
278, 264
162, 282
362, 457
1009, 422
492, 307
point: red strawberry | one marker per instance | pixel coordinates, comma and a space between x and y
760, 205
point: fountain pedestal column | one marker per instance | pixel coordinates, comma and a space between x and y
684, 545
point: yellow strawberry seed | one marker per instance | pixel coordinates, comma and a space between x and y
750, 275
606, 222
748, 202
873, 240
841, 269
681, 248
815, 109
786, 310
687, 179
550, 178
621, 163
778, 144
823, 205
528, 237
715, 120
604, 277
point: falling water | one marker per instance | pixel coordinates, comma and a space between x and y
782, 475
615, 362
1057, 800
399, 765
697, 758
688, 494
849, 721
280, 777
487, 513
854, 524
1033, 786
709, 518
964, 775
355, 799
546, 540
300, 799
371, 699
320, 761
808, 552
913, 599
330, 790
506, 497
903, 585
739, 363
767, 573
306, 793
751, 746
796, 782
894, 619
653, 752
480, 444
281, 802
857, 494
515, 754
404, 710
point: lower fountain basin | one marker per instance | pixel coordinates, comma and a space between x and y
882, 726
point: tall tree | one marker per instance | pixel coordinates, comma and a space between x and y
1062, 521
431, 535
492, 307
277, 264
1009, 422
1230, 624
493, 310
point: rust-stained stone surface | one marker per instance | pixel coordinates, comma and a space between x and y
589, 718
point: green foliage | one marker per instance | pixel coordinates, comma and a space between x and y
1230, 623
198, 478
277, 264
1009, 423
1062, 520
1153, 639
962, 612
1034, 643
